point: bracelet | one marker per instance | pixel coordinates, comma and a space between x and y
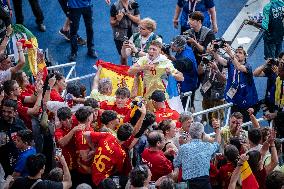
35, 93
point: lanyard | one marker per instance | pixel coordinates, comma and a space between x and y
144, 45
191, 5
238, 77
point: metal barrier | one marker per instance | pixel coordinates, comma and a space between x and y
60, 66
214, 109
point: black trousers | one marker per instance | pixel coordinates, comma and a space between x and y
64, 7
35, 8
74, 16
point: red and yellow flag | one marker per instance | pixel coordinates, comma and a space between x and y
119, 76
248, 179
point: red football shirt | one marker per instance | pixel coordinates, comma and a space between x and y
157, 162
55, 96
23, 114
82, 145
67, 150
109, 156
28, 91
225, 173
123, 113
167, 113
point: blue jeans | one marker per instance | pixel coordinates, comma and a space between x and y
74, 16
272, 50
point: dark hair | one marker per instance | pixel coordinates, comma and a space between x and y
108, 116
275, 180
264, 133
232, 153
236, 142
281, 55
92, 103
154, 137
74, 89
83, 113
139, 175
83, 90
237, 115
10, 103
8, 86
107, 183
18, 76
254, 158
35, 163
254, 135
165, 125
167, 183
124, 131
56, 174
26, 135
123, 91
197, 15
148, 121
64, 113
58, 76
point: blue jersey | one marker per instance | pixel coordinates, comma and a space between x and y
201, 5
79, 3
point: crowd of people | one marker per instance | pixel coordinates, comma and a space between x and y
53, 135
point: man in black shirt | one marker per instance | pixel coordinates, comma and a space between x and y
10, 124
199, 36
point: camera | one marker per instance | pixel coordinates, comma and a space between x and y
187, 35
166, 48
219, 43
137, 101
207, 58
273, 62
125, 39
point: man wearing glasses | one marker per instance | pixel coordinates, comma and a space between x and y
6, 69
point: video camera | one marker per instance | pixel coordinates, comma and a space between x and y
206, 58
219, 43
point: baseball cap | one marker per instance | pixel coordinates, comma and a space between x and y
158, 96
179, 41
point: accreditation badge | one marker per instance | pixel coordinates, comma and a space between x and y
231, 92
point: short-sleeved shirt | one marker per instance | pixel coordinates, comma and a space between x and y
123, 113
20, 166
201, 5
194, 158
109, 156
55, 96
67, 150
26, 92
26, 183
81, 144
100, 97
157, 162
23, 113
246, 95
79, 3
155, 79
225, 173
5, 75
166, 113
226, 135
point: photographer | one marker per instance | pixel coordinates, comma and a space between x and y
240, 88
139, 43
185, 63
213, 82
124, 19
198, 36
269, 70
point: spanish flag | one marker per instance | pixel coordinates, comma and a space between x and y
35, 61
118, 74
248, 179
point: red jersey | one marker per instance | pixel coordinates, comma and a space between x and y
82, 145
225, 173
157, 162
23, 114
67, 150
127, 163
109, 156
166, 113
55, 96
28, 91
123, 113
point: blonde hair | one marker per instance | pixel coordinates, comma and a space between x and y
149, 23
